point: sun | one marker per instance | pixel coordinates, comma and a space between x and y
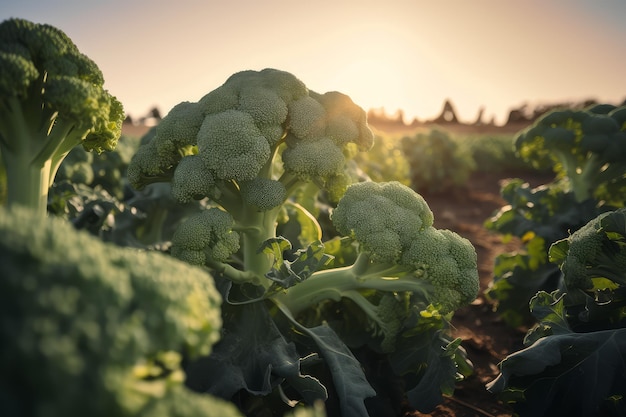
371, 83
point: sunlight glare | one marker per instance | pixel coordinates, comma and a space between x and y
371, 83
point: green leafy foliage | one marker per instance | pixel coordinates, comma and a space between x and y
436, 162
573, 364
585, 149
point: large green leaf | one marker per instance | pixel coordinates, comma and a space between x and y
428, 361
573, 374
254, 356
348, 377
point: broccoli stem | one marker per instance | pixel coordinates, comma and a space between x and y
234, 274
33, 153
27, 184
333, 284
256, 227
584, 180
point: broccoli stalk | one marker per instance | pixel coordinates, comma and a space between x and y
51, 100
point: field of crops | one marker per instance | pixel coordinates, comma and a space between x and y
265, 252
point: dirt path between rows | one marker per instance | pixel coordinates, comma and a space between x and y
486, 338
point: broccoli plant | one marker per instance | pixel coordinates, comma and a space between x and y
436, 162
252, 148
51, 100
587, 149
224, 146
89, 328
573, 363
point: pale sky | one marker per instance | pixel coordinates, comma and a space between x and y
396, 54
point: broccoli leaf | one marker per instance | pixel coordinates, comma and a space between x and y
254, 356
438, 370
572, 374
549, 310
302, 263
349, 379
350, 382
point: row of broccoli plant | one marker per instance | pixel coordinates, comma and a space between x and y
348, 322
587, 151
571, 281
87, 328
437, 162
573, 361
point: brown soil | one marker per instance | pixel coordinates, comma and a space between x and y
486, 337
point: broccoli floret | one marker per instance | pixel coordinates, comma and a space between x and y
399, 251
586, 148
51, 100
206, 237
192, 180
232, 146
83, 320
182, 402
248, 146
594, 257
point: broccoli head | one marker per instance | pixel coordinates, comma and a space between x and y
593, 258
250, 145
239, 129
399, 252
90, 328
206, 237
51, 100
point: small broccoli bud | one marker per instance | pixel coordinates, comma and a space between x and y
232, 146
263, 193
314, 159
264, 105
192, 180
205, 237
307, 118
